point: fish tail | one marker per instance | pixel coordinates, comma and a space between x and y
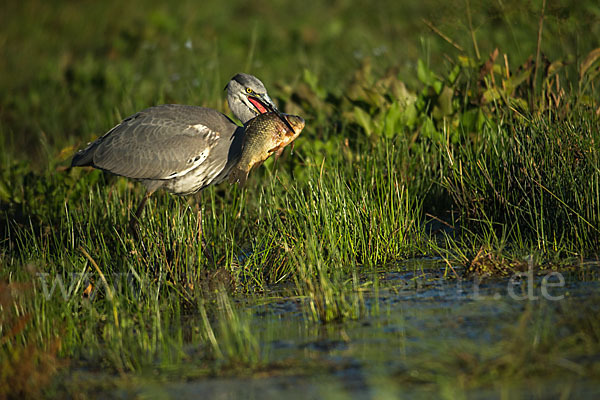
238, 175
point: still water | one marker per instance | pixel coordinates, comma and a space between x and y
425, 334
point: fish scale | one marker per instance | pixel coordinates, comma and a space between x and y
264, 136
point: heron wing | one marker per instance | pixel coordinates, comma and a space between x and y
160, 142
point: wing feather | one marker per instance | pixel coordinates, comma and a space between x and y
159, 143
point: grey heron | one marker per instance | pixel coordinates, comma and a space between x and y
180, 148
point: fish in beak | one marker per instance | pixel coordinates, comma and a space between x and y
264, 104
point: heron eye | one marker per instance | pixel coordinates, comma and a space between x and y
249, 91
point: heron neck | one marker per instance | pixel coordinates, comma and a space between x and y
241, 111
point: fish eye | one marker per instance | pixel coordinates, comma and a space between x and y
249, 91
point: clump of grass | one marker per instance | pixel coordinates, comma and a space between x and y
233, 343
345, 219
28, 363
538, 176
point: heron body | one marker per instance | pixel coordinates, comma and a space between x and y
180, 148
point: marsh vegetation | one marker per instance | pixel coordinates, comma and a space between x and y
447, 175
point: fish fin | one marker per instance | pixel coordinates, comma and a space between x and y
278, 153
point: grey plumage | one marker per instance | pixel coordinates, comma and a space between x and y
159, 145
242, 92
179, 148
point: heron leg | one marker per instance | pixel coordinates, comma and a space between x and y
133, 222
199, 227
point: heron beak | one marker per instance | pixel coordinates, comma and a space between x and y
263, 104
284, 119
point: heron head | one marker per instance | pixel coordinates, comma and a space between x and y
248, 97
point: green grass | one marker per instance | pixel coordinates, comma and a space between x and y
417, 143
